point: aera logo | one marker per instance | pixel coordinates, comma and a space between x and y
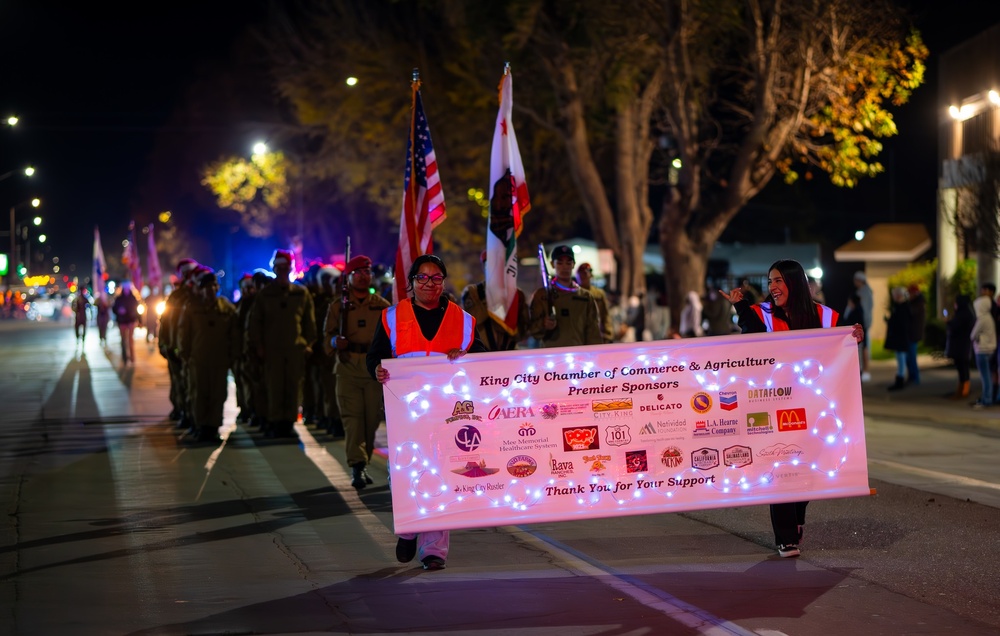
791, 419
701, 402
510, 413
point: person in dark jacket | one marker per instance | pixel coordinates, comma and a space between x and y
126, 311
918, 318
958, 346
898, 333
855, 315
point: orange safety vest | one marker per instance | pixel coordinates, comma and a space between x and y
456, 331
827, 317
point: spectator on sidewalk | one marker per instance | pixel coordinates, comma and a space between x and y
854, 315
918, 317
958, 345
898, 326
984, 343
867, 297
989, 290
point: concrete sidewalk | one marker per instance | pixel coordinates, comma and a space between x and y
926, 401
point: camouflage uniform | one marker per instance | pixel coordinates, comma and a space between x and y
576, 317
208, 343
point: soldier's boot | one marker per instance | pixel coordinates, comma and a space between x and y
336, 429
358, 479
175, 415
186, 422
243, 417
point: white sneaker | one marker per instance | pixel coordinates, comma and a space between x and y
866, 377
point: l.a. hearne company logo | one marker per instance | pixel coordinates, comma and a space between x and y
791, 420
464, 410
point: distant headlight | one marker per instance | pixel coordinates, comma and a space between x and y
161, 307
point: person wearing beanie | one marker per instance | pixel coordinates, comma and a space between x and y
565, 314
173, 309
348, 330
282, 330
208, 344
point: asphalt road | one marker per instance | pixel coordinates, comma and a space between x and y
113, 527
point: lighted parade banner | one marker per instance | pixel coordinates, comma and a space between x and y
624, 429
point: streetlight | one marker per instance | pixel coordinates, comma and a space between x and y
13, 232
28, 171
12, 121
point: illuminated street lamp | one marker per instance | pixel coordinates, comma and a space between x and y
13, 232
28, 171
12, 121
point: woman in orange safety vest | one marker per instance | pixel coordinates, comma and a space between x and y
788, 305
425, 325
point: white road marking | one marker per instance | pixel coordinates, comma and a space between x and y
947, 477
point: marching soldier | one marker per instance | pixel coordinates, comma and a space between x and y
565, 314
488, 330
584, 276
253, 367
208, 343
348, 336
321, 373
239, 368
168, 326
282, 328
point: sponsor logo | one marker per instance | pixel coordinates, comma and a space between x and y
701, 402
662, 406
464, 410
759, 423
791, 419
737, 456
602, 406
617, 435
511, 413
468, 438
598, 463
635, 462
559, 468
555, 409
770, 393
781, 451
580, 439
475, 469
672, 457
705, 459
728, 401
480, 487
522, 466
716, 427
647, 429
526, 430
550, 411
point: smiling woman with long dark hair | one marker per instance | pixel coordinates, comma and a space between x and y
789, 305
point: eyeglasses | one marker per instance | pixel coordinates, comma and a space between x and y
424, 279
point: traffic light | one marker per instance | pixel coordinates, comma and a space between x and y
22, 271
4, 264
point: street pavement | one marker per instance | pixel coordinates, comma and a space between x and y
114, 526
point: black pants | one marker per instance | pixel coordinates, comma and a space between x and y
785, 521
962, 365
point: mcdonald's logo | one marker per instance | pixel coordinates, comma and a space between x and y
791, 419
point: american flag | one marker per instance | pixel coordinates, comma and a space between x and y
423, 199
100, 267
130, 258
509, 203
155, 274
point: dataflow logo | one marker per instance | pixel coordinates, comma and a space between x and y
728, 401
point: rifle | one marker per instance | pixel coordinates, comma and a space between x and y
547, 284
344, 290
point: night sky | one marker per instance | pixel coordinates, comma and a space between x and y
97, 88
